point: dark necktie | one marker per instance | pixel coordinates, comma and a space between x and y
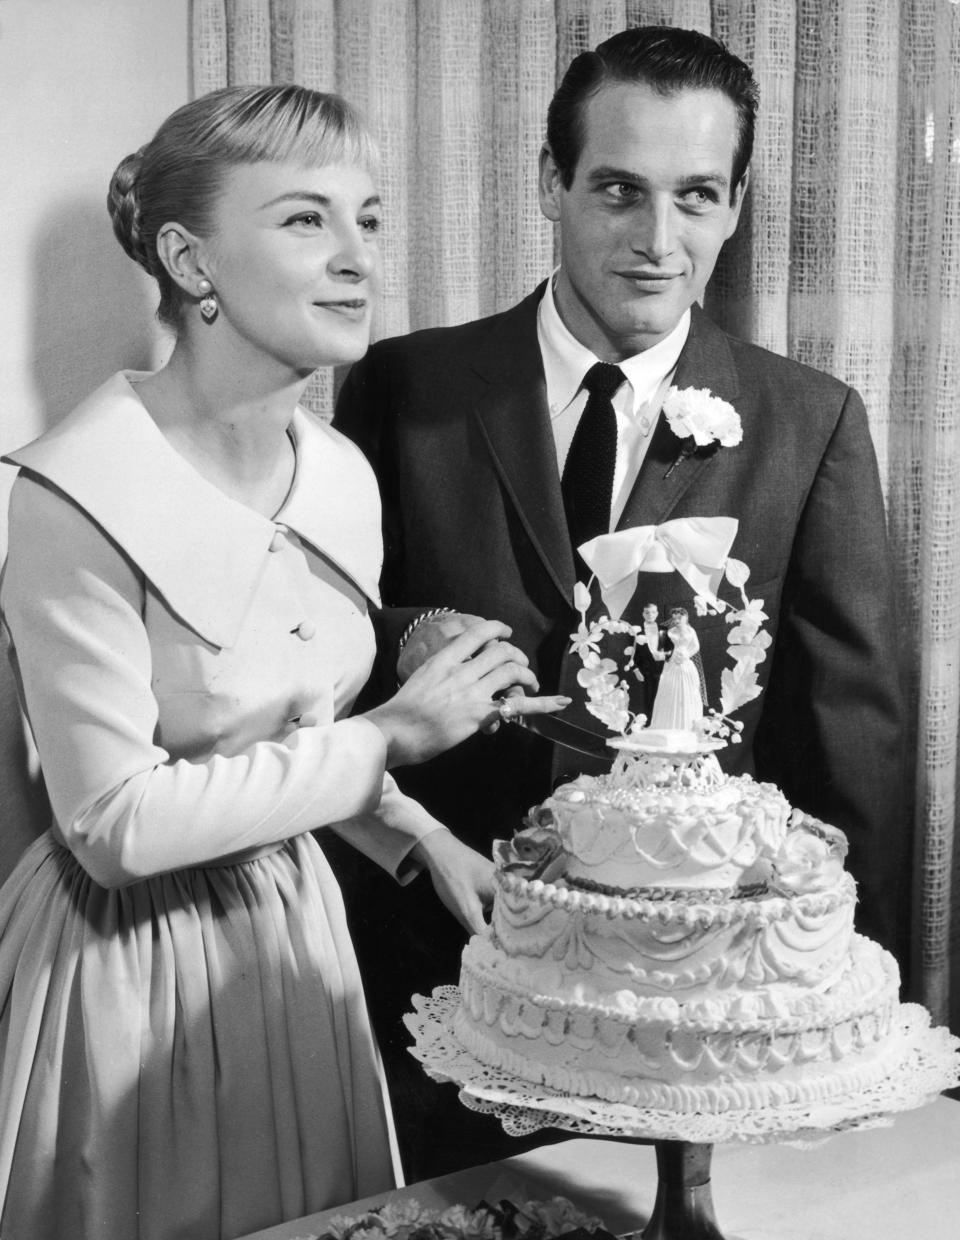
587, 483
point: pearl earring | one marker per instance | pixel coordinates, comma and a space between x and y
209, 306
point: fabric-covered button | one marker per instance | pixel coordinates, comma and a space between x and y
278, 541
306, 630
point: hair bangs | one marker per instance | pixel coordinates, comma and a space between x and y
290, 124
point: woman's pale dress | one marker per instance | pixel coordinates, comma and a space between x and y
184, 1046
679, 700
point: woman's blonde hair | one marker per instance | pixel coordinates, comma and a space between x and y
178, 175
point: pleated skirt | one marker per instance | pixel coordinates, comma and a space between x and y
187, 1058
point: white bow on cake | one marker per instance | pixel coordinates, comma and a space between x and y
695, 547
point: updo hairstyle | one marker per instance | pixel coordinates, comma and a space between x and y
178, 175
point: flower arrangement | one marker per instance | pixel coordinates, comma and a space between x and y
408, 1220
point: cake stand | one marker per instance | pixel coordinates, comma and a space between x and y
924, 1062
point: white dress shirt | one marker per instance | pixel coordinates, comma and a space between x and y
636, 402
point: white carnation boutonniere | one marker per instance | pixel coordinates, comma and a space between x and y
700, 419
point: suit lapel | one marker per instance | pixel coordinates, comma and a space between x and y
511, 411
512, 415
706, 362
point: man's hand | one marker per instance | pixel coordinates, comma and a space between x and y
431, 635
462, 878
455, 693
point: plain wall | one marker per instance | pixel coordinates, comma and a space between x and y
82, 83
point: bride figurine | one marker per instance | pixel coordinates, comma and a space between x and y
680, 699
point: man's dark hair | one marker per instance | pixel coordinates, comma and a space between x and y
665, 58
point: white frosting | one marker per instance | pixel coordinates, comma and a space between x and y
689, 945
671, 1054
662, 822
548, 934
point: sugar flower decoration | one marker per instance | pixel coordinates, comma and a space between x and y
536, 850
608, 697
603, 679
747, 646
810, 858
695, 413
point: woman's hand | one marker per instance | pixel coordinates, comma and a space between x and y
462, 878
453, 694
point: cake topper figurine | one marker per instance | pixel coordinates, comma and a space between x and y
681, 696
697, 548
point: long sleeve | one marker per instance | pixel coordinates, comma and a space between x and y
73, 604
387, 833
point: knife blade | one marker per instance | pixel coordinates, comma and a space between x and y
569, 735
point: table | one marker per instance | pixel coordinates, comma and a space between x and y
898, 1183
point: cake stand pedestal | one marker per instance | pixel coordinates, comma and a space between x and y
683, 1209
923, 1061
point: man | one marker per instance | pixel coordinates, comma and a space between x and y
472, 431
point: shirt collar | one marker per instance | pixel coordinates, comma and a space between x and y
566, 360
201, 550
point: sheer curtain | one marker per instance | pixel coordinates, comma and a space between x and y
848, 256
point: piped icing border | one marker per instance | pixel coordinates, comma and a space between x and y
834, 1081
686, 911
872, 981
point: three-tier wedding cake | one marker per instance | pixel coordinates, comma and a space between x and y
670, 936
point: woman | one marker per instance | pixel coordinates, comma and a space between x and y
680, 699
185, 1048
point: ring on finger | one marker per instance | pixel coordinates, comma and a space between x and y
507, 710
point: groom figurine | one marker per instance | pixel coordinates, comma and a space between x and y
655, 643
503, 445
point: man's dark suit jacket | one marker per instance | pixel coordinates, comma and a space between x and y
455, 423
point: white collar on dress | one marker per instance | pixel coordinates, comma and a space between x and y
203, 551
566, 360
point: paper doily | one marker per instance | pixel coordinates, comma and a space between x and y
927, 1062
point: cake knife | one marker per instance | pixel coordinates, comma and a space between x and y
562, 732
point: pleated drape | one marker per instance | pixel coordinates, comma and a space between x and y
847, 257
